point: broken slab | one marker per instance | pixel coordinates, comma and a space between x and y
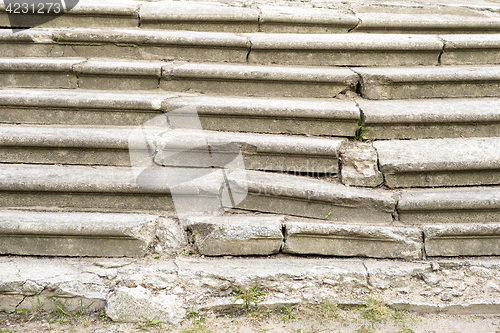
275, 116
301, 196
249, 80
431, 118
440, 162
288, 19
236, 235
429, 82
139, 304
199, 16
344, 49
450, 205
79, 107
79, 234
359, 164
352, 240
316, 156
462, 240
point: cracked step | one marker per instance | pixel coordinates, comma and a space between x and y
287, 116
439, 162
81, 234
300, 196
429, 82
359, 49
233, 114
114, 146
450, 205
224, 79
431, 118
247, 80
79, 107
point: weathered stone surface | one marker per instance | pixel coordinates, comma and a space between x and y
433, 118
429, 82
471, 49
258, 80
80, 188
39, 73
425, 18
207, 283
359, 164
452, 205
79, 107
113, 13
345, 49
315, 117
259, 151
440, 162
300, 196
198, 16
236, 235
462, 240
352, 240
288, 19
139, 305
76, 234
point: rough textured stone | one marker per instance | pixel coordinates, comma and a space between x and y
198, 16
440, 162
462, 240
429, 82
433, 118
258, 80
76, 234
314, 117
359, 165
139, 305
300, 196
344, 49
236, 235
352, 240
452, 205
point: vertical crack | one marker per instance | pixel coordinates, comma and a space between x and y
442, 50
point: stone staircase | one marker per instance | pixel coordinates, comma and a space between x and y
90, 125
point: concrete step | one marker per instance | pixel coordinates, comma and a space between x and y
83, 234
265, 17
439, 162
79, 107
473, 205
359, 49
430, 82
82, 13
167, 289
109, 74
431, 118
114, 146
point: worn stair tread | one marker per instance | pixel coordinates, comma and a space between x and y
96, 234
440, 162
431, 118
450, 205
430, 82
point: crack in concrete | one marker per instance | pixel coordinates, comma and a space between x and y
442, 50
